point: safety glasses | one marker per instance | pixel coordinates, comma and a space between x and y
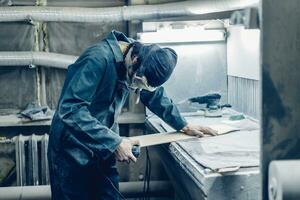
141, 83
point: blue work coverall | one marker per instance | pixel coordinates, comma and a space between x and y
84, 132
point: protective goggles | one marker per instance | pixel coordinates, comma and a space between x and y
141, 83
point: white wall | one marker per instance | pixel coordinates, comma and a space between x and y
243, 53
201, 68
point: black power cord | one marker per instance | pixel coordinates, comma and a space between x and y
149, 175
146, 189
147, 178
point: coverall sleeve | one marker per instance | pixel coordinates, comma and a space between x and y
73, 108
163, 107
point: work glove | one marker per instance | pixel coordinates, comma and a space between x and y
198, 131
123, 152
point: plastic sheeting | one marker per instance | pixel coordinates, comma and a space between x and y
233, 150
65, 38
238, 149
18, 84
16, 37
201, 68
71, 39
18, 87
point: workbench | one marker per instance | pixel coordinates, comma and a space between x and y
213, 168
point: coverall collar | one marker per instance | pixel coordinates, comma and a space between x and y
112, 40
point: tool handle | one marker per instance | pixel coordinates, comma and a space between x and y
136, 150
226, 106
212, 98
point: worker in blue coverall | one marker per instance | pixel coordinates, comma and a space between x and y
84, 141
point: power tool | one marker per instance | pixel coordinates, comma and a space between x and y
136, 150
213, 106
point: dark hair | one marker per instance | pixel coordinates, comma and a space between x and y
136, 47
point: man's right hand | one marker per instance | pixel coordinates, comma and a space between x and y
124, 150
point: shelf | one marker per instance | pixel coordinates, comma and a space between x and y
11, 120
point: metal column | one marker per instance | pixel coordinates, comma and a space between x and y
281, 85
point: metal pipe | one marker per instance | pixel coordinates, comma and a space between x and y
121, 13
23, 58
157, 189
43, 192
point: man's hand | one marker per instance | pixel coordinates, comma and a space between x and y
124, 150
198, 131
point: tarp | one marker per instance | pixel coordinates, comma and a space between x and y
233, 150
19, 84
237, 149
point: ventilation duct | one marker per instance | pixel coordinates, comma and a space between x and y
112, 14
31, 58
128, 190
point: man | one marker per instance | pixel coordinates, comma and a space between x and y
84, 142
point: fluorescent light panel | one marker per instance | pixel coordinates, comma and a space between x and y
182, 36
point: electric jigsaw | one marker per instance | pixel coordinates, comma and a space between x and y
213, 106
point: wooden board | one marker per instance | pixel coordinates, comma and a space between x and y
162, 138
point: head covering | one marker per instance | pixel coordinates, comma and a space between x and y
157, 64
